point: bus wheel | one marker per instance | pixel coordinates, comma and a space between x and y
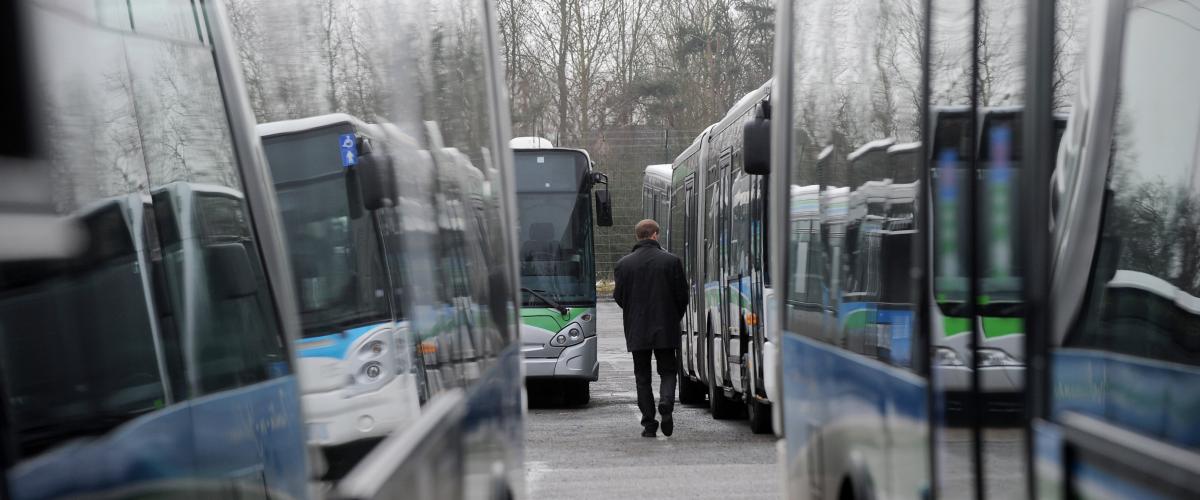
577, 392
723, 408
691, 392
759, 415
757, 411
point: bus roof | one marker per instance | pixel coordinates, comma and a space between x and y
694, 146
904, 147
1150, 283
1002, 109
181, 187
303, 124
876, 145
750, 99
662, 171
825, 152
530, 142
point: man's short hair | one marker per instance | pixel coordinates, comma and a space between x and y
645, 229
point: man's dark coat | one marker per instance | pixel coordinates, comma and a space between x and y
653, 294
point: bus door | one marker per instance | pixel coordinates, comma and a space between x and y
758, 273
689, 263
728, 281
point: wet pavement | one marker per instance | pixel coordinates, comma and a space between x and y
597, 452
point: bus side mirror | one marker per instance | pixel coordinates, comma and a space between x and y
603, 209
603, 201
376, 178
229, 269
756, 141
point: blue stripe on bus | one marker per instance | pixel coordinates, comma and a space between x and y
333, 345
1155, 398
823, 383
253, 434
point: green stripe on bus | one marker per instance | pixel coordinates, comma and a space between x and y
999, 327
953, 326
550, 319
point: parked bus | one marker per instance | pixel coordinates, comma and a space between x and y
656, 195
148, 324
728, 350
558, 263
356, 357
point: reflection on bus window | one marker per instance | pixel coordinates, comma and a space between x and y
88, 318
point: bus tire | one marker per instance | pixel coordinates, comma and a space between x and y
722, 407
691, 391
757, 411
577, 392
759, 414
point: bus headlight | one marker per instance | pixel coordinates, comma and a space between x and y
945, 356
371, 364
370, 372
991, 357
568, 336
372, 349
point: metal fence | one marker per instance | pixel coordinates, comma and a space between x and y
623, 154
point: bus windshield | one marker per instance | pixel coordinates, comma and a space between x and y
555, 222
339, 273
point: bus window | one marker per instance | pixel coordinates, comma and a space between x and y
1142, 295
91, 322
678, 231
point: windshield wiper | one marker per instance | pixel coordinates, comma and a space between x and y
558, 307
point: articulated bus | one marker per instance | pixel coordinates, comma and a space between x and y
717, 226
558, 263
656, 195
189, 311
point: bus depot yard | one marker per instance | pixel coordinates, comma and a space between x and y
596, 451
934, 249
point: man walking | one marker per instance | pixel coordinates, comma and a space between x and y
652, 292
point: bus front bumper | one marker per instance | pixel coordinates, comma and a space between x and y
992, 379
576, 362
334, 419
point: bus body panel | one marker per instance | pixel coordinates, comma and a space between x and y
871, 421
540, 326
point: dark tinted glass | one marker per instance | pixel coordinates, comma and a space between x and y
1143, 293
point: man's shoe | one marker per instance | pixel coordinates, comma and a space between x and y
650, 431
668, 425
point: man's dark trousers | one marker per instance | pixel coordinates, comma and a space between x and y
667, 370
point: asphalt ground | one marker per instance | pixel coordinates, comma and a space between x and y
597, 451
